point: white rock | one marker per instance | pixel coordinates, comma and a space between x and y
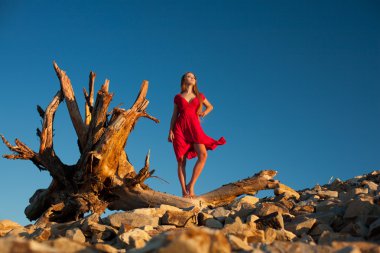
8, 225
328, 194
135, 238
220, 214
300, 225
246, 199
132, 219
238, 244
13, 244
76, 234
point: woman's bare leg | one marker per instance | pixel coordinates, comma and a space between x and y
198, 167
182, 175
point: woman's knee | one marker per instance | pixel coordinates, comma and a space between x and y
202, 155
181, 161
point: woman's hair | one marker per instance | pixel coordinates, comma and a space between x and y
196, 91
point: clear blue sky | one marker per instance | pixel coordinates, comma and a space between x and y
295, 84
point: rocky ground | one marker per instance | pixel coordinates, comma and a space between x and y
338, 217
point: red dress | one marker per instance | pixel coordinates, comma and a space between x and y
187, 129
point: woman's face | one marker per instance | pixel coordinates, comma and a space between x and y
190, 79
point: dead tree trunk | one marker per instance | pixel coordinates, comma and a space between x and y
103, 176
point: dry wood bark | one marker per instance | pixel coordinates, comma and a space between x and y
103, 176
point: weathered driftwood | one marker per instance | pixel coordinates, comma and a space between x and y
103, 176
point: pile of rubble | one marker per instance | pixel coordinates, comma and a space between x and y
338, 217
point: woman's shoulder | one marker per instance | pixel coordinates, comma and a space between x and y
176, 97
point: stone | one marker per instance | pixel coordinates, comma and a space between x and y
7, 225
133, 219
105, 248
20, 232
22, 245
207, 210
237, 203
69, 246
41, 234
359, 190
356, 228
287, 191
189, 240
135, 238
251, 220
179, 218
303, 209
163, 228
254, 236
238, 244
374, 228
76, 235
296, 247
358, 207
327, 205
345, 196
244, 211
124, 228
338, 185
147, 228
319, 228
273, 220
362, 245
213, 223
230, 220
202, 217
220, 214
306, 239
235, 227
353, 193
307, 194
376, 210
370, 185
329, 237
284, 201
284, 235
328, 194
360, 229
59, 229
323, 217
338, 223
300, 225
353, 181
98, 231
270, 235
244, 231
270, 207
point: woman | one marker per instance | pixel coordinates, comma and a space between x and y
186, 133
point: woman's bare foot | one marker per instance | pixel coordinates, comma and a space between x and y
190, 191
185, 194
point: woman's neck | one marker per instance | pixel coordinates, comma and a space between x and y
189, 90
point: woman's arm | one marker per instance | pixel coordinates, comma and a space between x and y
208, 109
172, 122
